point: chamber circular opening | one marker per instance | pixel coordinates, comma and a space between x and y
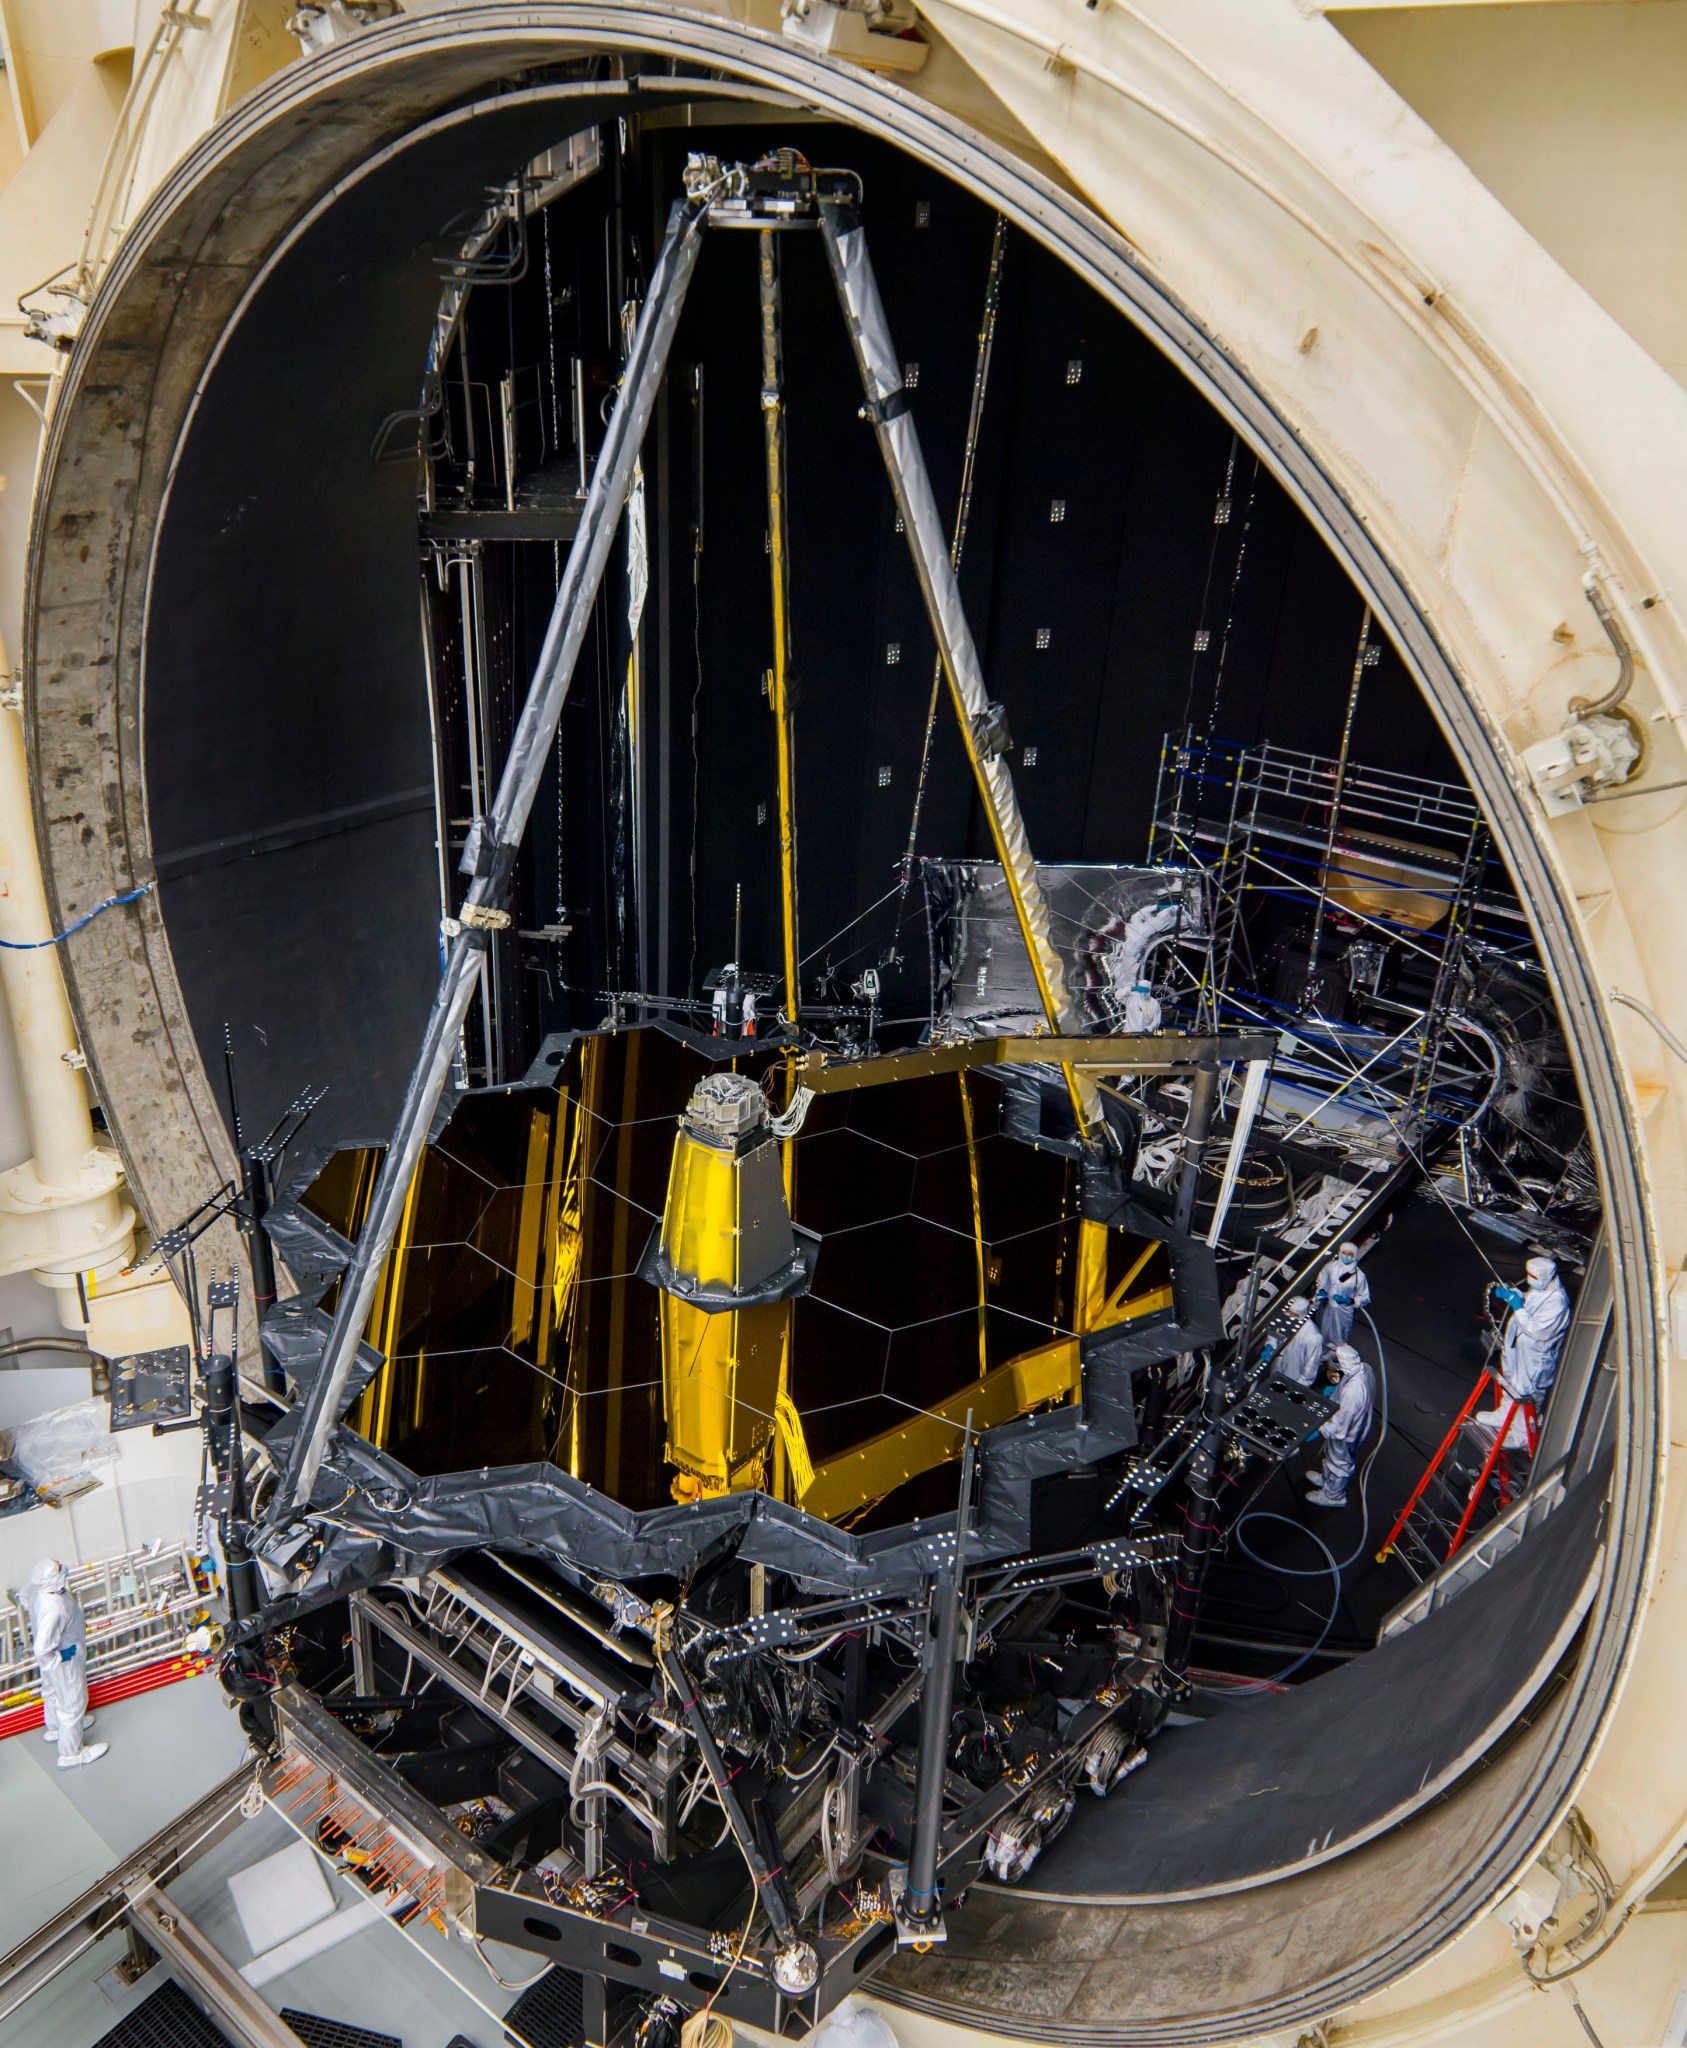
298, 197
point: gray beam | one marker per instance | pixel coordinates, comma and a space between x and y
39, 1958
225, 1994
490, 857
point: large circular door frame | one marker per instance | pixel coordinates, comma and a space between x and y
511, 37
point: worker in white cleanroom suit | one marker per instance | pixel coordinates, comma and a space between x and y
1142, 1008
1345, 1431
59, 1636
1534, 1336
1342, 1290
1300, 1357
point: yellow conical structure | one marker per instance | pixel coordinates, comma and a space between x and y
728, 1263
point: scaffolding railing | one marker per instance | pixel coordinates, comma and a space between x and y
1379, 799
1264, 821
139, 1606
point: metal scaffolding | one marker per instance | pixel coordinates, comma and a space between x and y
1406, 864
139, 1606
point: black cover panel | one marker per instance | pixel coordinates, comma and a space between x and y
1273, 1784
288, 768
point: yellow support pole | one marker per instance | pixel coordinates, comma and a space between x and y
778, 691
773, 431
977, 1232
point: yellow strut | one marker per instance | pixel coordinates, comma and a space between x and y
773, 430
786, 1451
977, 1232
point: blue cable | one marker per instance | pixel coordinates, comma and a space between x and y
1292, 1572
58, 938
1329, 1565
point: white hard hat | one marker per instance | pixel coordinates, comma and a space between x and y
49, 1572
1347, 1359
1541, 1270
1299, 1305
1349, 1250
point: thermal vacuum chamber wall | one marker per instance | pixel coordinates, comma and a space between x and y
289, 826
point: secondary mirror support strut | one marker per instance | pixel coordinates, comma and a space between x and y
489, 857
979, 720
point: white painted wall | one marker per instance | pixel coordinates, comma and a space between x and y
1574, 115
144, 1494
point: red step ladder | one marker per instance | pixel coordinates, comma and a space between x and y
1427, 1517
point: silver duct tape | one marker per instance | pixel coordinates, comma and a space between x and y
852, 268
899, 442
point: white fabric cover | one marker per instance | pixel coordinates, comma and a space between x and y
851, 2024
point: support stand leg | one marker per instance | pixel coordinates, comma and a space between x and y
980, 724
489, 858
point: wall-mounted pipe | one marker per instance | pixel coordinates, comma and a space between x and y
1595, 707
62, 1212
64, 1353
55, 1095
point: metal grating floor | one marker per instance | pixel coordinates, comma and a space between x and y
316, 2032
168, 2018
550, 2015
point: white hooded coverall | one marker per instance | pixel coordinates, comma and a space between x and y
1529, 1356
57, 1627
1142, 1009
1346, 1429
1300, 1357
1345, 1290
1533, 1338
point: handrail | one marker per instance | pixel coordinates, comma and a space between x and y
118, 167
54, 1946
1474, 1558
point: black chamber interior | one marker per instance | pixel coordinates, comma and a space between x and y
286, 727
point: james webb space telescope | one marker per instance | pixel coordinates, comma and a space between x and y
690, 1439
765, 1409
